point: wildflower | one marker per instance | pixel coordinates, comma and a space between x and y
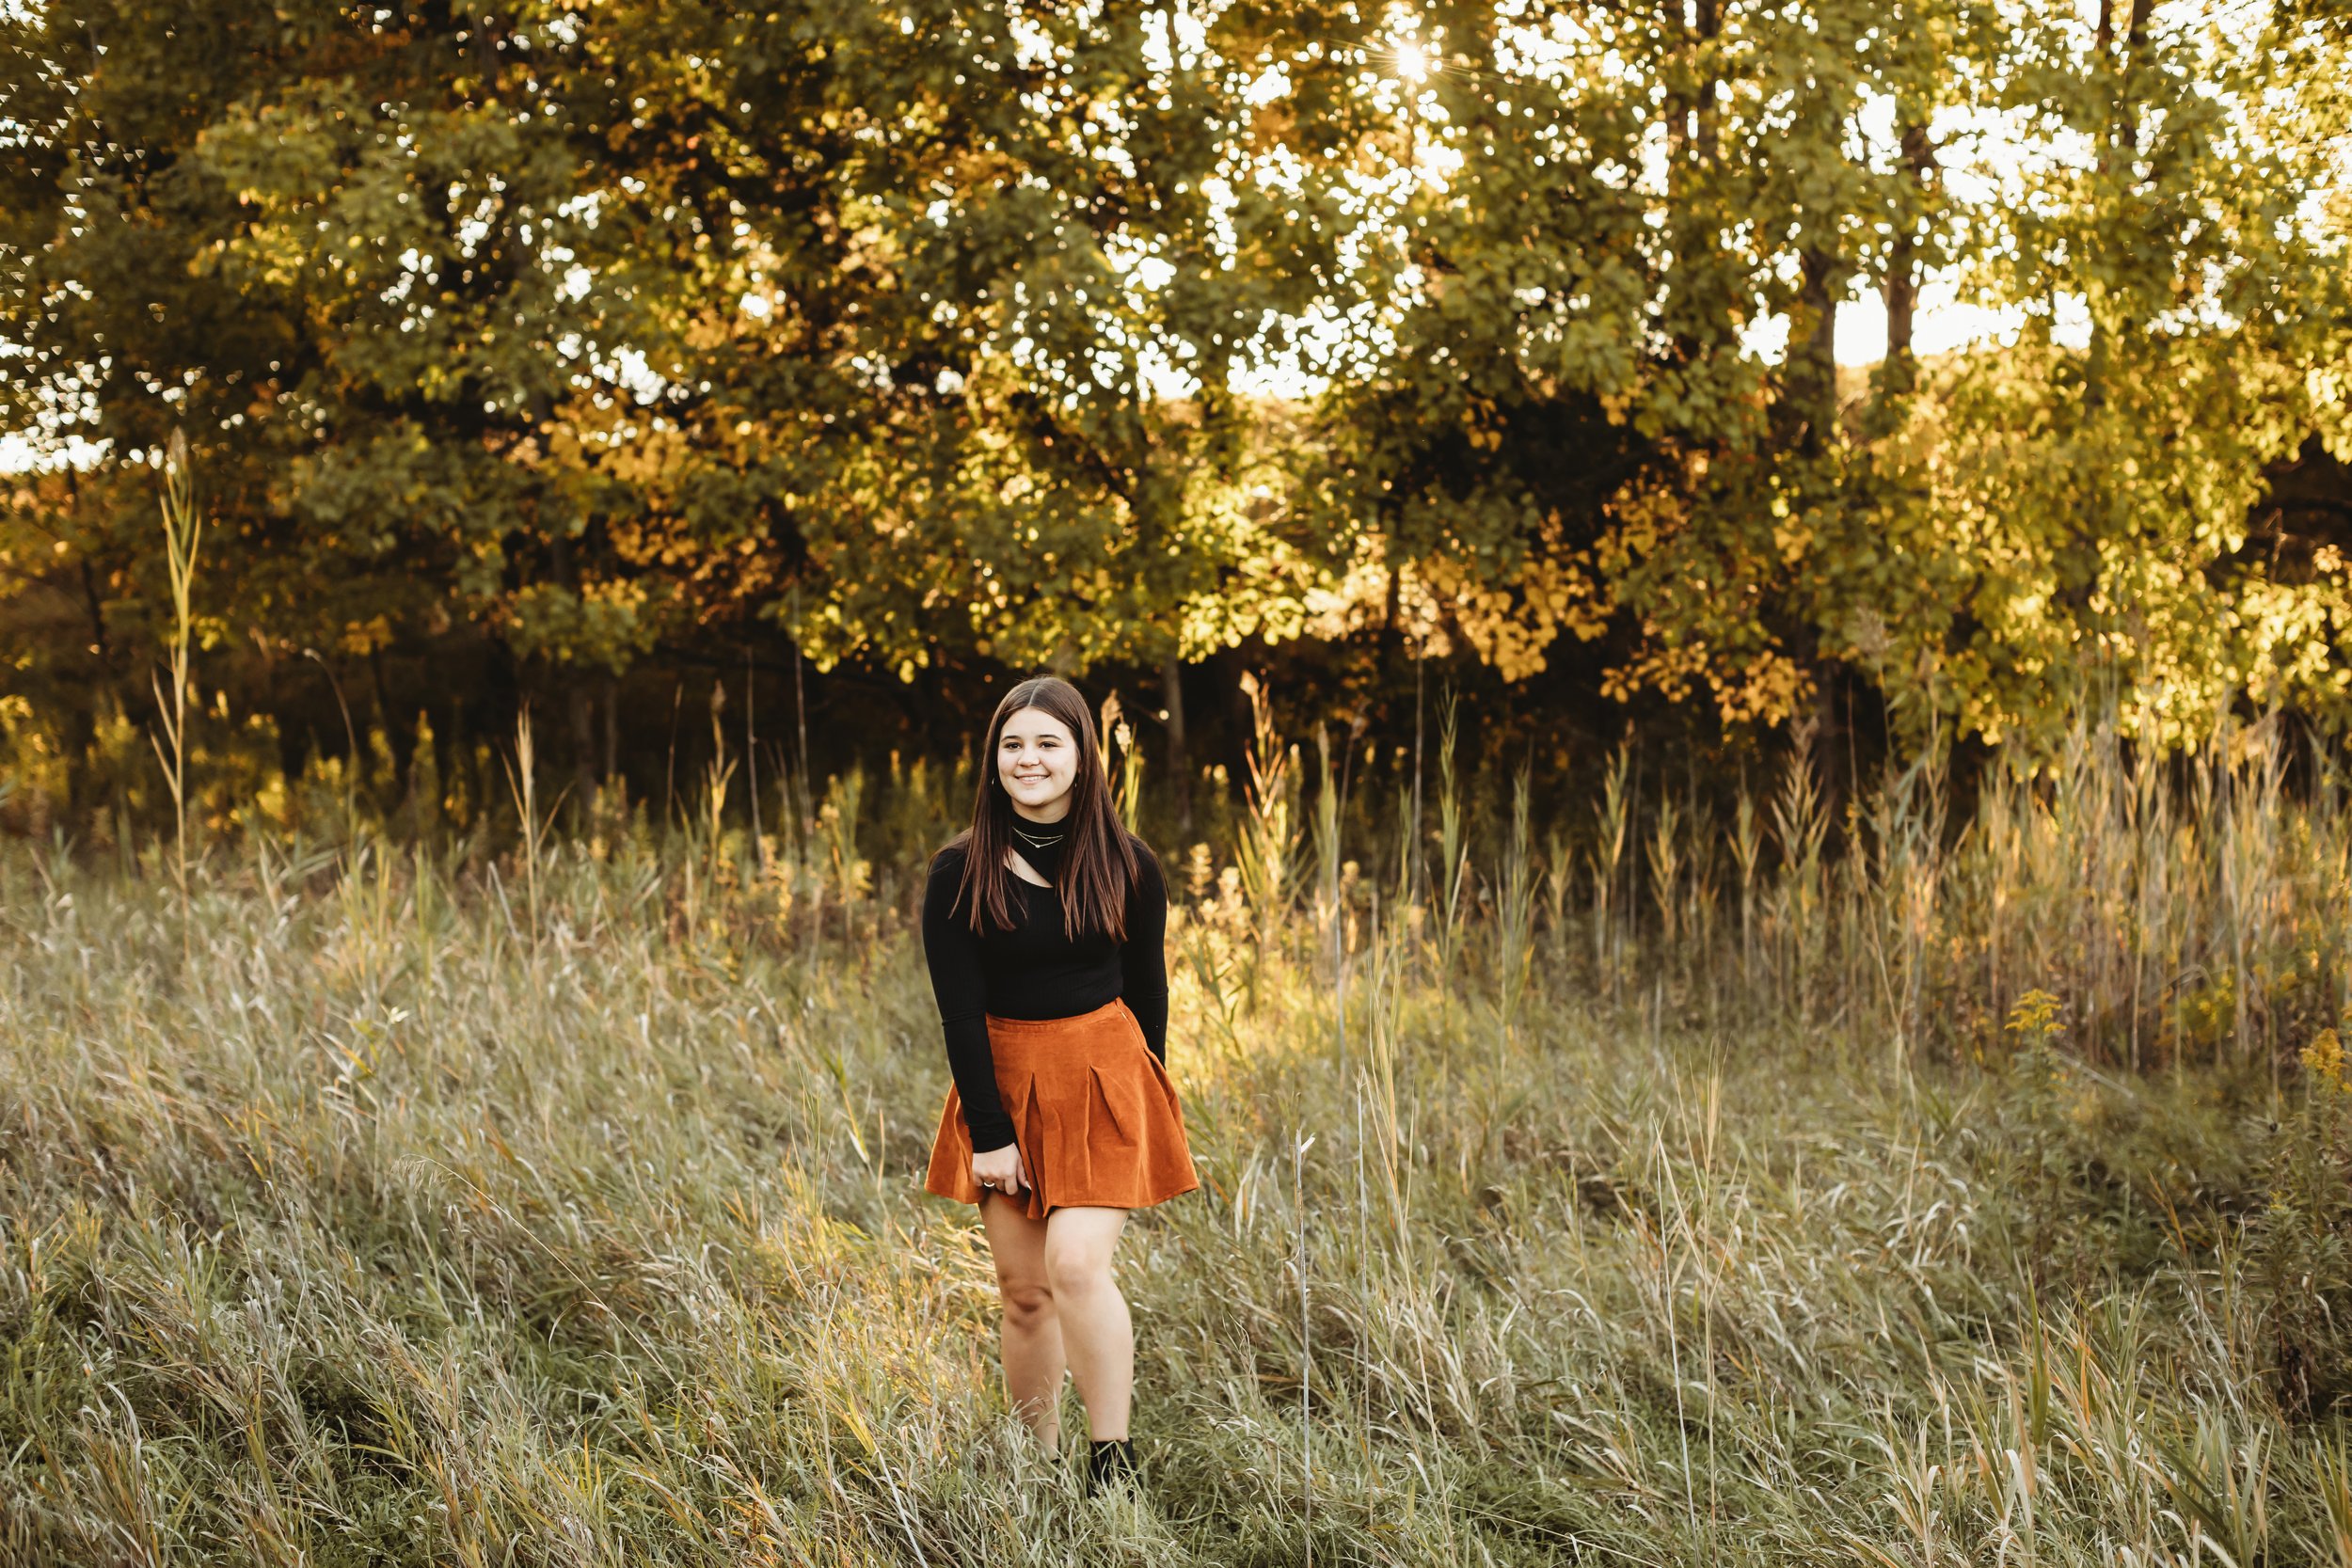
2036, 1015
2324, 1058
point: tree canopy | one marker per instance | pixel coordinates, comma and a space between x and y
932, 332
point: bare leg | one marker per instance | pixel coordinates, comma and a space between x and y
1032, 1330
1095, 1327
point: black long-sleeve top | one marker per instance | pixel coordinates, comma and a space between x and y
1033, 971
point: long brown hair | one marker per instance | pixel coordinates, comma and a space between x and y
1098, 863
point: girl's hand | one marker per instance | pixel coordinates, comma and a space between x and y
1002, 1166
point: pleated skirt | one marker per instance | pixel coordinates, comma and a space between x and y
1094, 1114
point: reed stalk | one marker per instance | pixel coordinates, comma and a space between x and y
1514, 912
1330, 912
1130, 798
1268, 842
1614, 810
183, 527
1453, 848
1665, 870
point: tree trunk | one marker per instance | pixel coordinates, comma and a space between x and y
2078, 573
2123, 136
399, 731
1707, 133
612, 727
1902, 272
1179, 758
1899, 376
449, 750
751, 746
1813, 361
580, 712
577, 703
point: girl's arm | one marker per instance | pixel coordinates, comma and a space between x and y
959, 984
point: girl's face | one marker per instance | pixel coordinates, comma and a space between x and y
1037, 759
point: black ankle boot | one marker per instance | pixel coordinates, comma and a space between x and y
1109, 1461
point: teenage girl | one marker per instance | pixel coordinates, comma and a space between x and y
1043, 926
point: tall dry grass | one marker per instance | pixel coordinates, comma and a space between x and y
529, 1199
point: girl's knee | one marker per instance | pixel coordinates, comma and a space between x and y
1026, 1302
1076, 1273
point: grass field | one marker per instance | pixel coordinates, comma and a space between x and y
558, 1203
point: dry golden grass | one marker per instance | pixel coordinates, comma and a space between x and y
560, 1203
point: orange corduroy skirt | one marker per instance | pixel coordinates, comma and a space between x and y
1094, 1112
